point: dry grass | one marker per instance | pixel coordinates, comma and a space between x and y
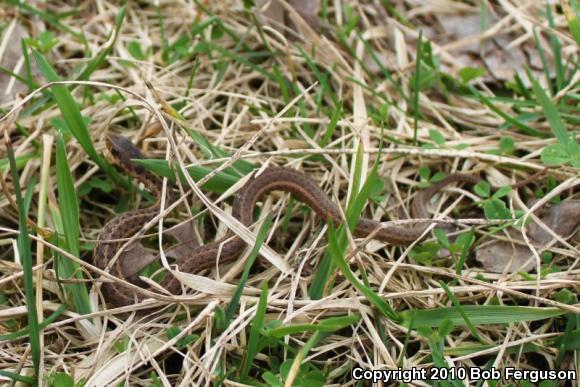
266, 94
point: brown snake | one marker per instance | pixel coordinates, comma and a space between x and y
230, 246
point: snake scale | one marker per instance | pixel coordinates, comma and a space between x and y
230, 246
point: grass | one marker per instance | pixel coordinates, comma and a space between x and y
374, 107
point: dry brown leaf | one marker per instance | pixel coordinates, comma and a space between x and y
135, 258
501, 53
185, 236
500, 256
277, 17
563, 219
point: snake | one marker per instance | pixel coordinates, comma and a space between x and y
229, 248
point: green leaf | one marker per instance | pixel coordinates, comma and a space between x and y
60, 379
272, 379
507, 145
482, 189
122, 344
135, 50
470, 73
565, 296
441, 237
376, 189
183, 342
555, 154
438, 176
436, 136
424, 173
46, 41
495, 209
425, 253
101, 184
503, 191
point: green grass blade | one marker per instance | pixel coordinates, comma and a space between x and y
331, 127
321, 77
545, 66
47, 17
73, 118
25, 251
323, 271
467, 243
18, 378
510, 120
556, 123
29, 81
436, 345
219, 183
338, 260
96, 62
556, 50
337, 241
12, 74
478, 314
461, 311
326, 266
319, 334
68, 107
416, 86
384, 71
260, 238
572, 19
244, 61
25, 331
465, 350
21, 161
257, 325
69, 209
355, 206
329, 325
30, 193
213, 152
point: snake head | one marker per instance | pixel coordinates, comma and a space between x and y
122, 149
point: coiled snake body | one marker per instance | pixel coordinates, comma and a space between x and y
203, 257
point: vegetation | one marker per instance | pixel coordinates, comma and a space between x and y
373, 100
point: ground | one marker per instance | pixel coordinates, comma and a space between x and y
375, 102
